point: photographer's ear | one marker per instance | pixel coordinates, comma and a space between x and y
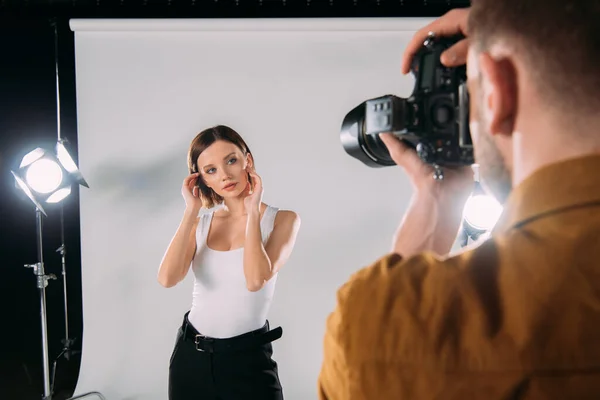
499, 93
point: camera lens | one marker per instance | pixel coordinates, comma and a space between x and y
377, 149
367, 148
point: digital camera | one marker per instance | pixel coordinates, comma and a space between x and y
434, 120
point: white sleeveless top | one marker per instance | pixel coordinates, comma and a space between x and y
222, 305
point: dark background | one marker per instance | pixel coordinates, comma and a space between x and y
28, 120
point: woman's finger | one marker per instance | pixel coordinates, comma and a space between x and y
257, 181
191, 184
191, 177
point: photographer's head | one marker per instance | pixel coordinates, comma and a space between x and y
534, 85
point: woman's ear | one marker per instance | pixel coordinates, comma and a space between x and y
250, 160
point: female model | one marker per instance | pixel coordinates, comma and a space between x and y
223, 348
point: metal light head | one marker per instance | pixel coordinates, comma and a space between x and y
47, 177
64, 157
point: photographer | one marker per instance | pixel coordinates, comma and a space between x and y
518, 316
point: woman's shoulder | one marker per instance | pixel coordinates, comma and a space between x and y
274, 208
284, 216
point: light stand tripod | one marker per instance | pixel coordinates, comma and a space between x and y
49, 165
42, 282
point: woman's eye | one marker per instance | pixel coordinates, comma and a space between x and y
209, 170
233, 160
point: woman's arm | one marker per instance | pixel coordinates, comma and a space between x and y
180, 253
178, 257
261, 263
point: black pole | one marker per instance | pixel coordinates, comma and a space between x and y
54, 24
63, 251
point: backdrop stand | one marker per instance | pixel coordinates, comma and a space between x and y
67, 342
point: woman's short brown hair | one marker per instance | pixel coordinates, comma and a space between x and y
199, 144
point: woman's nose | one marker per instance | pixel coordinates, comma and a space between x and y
225, 175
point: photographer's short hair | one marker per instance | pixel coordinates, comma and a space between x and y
200, 143
560, 39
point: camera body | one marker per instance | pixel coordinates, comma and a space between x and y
434, 120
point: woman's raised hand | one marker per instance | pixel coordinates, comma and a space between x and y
254, 191
191, 193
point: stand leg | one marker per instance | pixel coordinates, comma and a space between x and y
47, 392
41, 283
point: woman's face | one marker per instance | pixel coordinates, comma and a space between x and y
222, 166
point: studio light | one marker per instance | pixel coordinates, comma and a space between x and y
47, 177
481, 212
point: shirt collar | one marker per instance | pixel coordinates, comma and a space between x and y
560, 186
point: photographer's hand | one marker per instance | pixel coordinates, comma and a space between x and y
452, 23
434, 216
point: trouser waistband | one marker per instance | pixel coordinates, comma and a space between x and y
247, 340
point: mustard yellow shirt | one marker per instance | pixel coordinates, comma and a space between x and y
518, 317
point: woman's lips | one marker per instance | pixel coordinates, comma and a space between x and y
231, 186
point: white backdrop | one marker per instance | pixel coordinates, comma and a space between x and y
144, 89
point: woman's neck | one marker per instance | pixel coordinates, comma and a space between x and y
234, 207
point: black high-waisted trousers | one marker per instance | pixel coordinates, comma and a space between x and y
236, 368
